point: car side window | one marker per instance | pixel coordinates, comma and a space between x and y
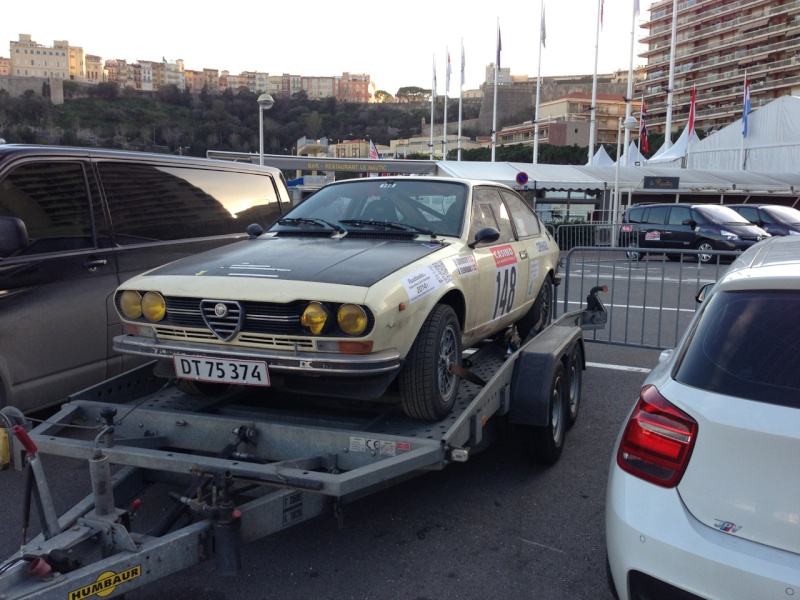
488, 210
679, 214
54, 208
634, 215
749, 212
150, 202
525, 221
657, 215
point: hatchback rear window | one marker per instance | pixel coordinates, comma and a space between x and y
745, 345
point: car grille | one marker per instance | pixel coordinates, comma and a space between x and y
249, 317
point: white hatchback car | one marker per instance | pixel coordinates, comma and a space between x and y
703, 497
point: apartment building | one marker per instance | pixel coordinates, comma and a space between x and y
352, 88
95, 72
30, 59
5, 66
716, 42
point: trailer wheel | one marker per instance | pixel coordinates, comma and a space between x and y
547, 442
428, 388
574, 384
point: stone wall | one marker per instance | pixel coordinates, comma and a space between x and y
17, 86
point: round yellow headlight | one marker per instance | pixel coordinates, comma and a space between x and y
314, 317
153, 306
352, 319
130, 303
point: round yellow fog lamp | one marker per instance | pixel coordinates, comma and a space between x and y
352, 319
314, 317
130, 303
153, 306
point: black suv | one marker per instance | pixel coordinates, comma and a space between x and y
772, 218
75, 223
703, 227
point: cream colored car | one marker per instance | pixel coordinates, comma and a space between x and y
370, 285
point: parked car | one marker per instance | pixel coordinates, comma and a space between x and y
704, 227
367, 284
702, 497
772, 218
76, 222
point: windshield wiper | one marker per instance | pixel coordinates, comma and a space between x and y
388, 225
297, 221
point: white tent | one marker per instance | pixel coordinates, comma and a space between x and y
601, 158
772, 143
674, 155
632, 156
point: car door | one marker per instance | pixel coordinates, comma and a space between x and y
502, 267
652, 227
54, 283
678, 233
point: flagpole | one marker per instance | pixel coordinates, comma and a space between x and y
538, 90
671, 84
629, 97
745, 111
446, 91
494, 109
433, 103
593, 107
460, 97
641, 120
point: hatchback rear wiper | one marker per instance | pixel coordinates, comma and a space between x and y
297, 221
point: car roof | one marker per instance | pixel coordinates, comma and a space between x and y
771, 264
12, 151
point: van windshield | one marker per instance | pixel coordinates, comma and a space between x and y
721, 215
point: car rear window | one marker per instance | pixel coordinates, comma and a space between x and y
745, 344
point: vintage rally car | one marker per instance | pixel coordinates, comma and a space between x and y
368, 289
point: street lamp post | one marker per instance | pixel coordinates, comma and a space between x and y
265, 102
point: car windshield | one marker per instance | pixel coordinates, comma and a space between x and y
784, 214
721, 214
380, 203
744, 345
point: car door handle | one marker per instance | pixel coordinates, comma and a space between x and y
94, 263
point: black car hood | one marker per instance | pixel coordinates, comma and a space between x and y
359, 262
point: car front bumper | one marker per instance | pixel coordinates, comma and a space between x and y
649, 531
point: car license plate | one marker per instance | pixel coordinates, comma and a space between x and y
240, 372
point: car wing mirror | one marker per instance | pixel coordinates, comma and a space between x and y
254, 230
703, 293
485, 235
13, 236
691, 223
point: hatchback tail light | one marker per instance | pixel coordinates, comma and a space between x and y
658, 440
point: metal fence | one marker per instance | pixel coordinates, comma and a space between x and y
650, 301
603, 235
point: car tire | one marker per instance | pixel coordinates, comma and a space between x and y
428, 388
199, 388
547, 442
540, 314
704, 246
574, 384
634, 256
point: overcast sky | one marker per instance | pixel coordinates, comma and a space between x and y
394, 42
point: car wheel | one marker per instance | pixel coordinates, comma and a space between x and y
428, 387
199, 388
574, 384
540, 314
631, 254
547, 442
704, 246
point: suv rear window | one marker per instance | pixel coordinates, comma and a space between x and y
745, 345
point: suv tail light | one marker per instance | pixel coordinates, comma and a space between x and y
658, 440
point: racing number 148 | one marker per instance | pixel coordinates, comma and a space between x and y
505, 290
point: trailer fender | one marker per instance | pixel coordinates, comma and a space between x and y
533, 373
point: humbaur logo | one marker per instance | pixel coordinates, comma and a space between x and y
106, 583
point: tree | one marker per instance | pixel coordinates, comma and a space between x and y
383, 96
313, 124
413, 94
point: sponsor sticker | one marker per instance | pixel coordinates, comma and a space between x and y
542, 247
533, 275
465, 265
426, 280
504, 255
652, 235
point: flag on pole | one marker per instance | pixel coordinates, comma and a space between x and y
373, 151
635, 7
433, 92
543, 33
643, 144
462, 62
602, 4
692, 114
499, 47
745, 105
447, 75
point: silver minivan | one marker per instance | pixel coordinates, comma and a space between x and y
75, 223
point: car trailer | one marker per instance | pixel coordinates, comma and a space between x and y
250, 469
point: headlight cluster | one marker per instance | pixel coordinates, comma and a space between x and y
730, 236
351, 318
133, 305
